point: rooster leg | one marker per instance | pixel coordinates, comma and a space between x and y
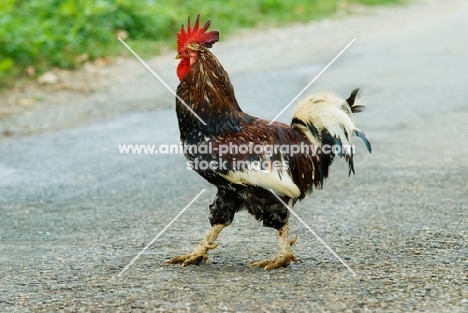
201, 251
284, 246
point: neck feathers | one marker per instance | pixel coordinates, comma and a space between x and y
208, 91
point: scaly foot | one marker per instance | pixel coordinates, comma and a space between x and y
201, 252
198, 255
286, 255
279, 261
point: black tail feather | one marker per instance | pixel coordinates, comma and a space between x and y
351, 102
351, 166
366, 142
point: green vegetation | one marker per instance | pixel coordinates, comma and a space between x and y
45, 33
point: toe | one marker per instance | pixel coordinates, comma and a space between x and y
177, 260
278, 262
194, 259
293, 241
262, 263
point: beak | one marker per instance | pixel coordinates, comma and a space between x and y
177, 56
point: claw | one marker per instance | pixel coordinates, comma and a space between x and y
261, 263
213, 246
293, 241
174, 260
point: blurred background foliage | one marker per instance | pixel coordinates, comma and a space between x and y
47, 33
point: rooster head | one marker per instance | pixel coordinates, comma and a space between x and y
187, 42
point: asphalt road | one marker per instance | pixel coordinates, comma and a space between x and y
74, 212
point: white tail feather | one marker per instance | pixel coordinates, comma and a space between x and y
327, 110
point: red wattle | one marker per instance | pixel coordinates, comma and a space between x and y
183, 68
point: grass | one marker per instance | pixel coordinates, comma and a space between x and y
54, 33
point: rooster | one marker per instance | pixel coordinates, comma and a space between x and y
209, 115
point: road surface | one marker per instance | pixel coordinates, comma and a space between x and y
74, 211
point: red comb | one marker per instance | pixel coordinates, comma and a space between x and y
196, 35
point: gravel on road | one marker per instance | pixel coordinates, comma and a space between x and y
74, 212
